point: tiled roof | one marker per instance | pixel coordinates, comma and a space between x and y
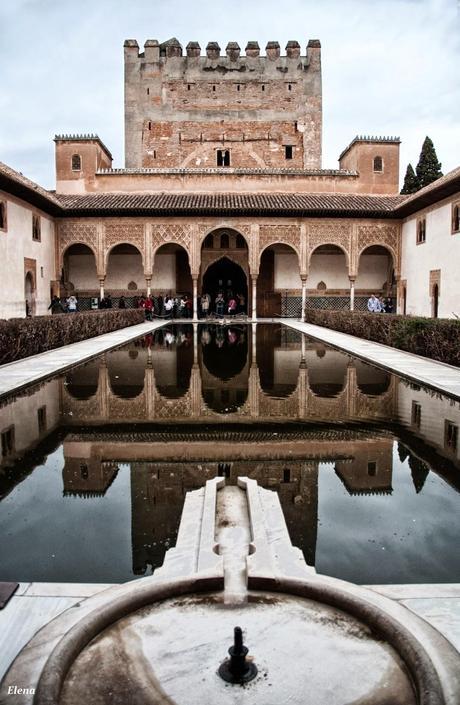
14, 182
231, 203
441, 188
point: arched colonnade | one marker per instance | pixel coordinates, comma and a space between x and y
331, 259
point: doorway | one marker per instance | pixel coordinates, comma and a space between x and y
227, 277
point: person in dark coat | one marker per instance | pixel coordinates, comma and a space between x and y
122, 302
56, 305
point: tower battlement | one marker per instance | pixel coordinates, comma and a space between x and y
182, 105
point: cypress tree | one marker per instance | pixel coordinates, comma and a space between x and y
410, 181
428, 168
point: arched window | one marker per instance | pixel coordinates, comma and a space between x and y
321, 286
421, 231
378, 164
76, 162
208, 242
456, 219
224, 241
240, 242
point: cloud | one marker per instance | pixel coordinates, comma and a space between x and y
388, 68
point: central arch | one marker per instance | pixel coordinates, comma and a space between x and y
226, 276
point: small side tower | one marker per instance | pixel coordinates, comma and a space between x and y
376, 159
78, 157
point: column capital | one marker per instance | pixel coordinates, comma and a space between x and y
352, 278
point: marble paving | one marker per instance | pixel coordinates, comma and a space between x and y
424, 371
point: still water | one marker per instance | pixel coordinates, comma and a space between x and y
96, 462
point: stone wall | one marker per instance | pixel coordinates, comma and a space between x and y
180, 110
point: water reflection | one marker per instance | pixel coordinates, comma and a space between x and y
97, 463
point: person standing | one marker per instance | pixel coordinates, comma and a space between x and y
56, 305
205, 303
220, 304
148, 308
72, 304
373, 304
231, 308
122, 302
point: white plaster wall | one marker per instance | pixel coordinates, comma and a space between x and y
23, 415
164, 272
435, 412
287, 274
372, 272
82, 271
123, 269
331, 269
440, 251
16, 244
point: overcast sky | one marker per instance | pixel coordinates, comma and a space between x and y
390, 67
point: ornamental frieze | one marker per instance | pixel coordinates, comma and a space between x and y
180, 234
129, 233
378, 234
73, 232
329, 233
273, 234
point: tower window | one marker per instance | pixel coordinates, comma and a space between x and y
421, 231
76, 162
288, 150
223, 157
372, 468
238, 87
286, 475
36, 229
188, 86
214, 89
148, 91
263, 86
378, 164
150, 125
289, 86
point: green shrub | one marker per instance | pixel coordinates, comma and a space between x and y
22, 337
436, 338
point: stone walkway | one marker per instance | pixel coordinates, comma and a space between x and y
426, 372
19, 374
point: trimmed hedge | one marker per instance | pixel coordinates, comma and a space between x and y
22, 337
436, 338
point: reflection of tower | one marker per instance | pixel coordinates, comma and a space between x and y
370, 471
87, 477
157, 496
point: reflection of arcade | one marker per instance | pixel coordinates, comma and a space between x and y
287, 462
231, 373
224, 367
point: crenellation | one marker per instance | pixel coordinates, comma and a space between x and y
169, 96
273, 51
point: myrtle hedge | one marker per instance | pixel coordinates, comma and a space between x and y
436, 338
22, 337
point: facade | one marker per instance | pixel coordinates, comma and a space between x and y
223, 190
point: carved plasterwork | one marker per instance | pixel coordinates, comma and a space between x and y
329, 233
119, 233
386, 235
274, 234
163, 234
435, 278
78, 232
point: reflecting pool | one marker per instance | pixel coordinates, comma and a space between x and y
96, 462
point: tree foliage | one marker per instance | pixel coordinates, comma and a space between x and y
428, 168
410, 181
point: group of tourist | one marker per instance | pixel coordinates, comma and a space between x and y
229, 305
68, 305
377, 304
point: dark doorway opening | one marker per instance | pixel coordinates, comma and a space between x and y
227, 277
435, 301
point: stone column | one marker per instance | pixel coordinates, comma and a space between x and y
254, 299
195, 300
352, 293
148, 281
195, 345
101, 287
304, 299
